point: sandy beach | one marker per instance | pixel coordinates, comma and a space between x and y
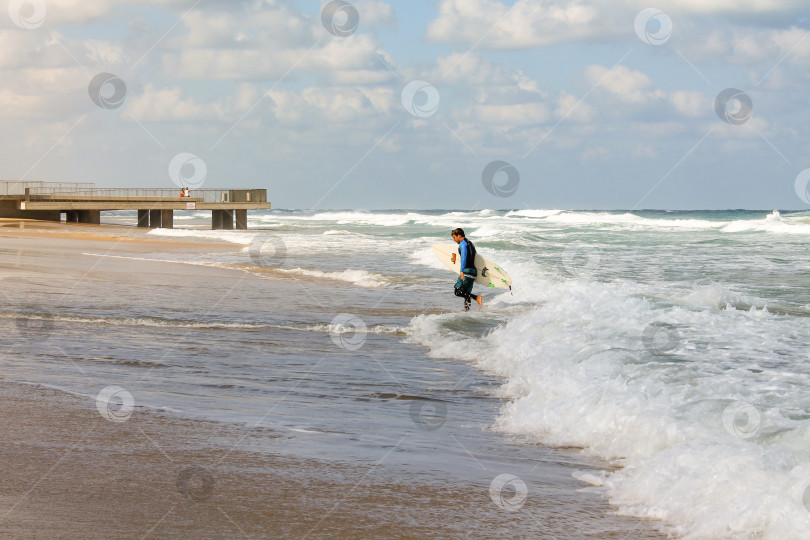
69, 471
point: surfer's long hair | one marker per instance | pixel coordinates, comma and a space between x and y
458, 232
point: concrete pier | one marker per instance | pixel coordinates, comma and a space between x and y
83, 203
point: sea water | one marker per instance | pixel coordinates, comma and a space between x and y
672, 345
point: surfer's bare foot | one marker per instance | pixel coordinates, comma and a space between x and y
480, 300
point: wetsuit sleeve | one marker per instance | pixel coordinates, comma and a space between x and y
462, 249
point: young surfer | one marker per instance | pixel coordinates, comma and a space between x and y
464, 284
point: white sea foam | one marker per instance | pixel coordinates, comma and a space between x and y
355, 277
772, 223
158, 322
234, 237
337, 329
361, 278
533, 213
486, 231
710, 295
426, 257
630, 220
578, 372
367, 218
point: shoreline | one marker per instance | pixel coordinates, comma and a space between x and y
82, 231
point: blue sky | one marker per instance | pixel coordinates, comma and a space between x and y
594, 104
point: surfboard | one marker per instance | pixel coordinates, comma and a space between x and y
489, 273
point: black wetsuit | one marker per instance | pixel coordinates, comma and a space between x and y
463, 287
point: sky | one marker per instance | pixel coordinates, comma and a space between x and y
451, 104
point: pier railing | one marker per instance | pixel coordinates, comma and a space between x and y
84, 191
18, 187
126, 194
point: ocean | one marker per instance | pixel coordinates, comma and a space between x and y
657, 361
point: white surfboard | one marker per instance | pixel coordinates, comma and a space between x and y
489, 273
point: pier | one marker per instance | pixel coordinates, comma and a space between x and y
83, 203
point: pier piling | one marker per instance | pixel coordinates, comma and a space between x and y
155, 221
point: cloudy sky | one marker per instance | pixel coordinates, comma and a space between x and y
592, 104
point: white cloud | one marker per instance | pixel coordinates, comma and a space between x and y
691, 104
636, 89
627, 85
755, 127
657, 129
16, 105
324, 107
645, 151
519, 114
733, 7
268, 42
318, 108
528, 23
471, 69
375, 13
169, 105
595, 154
539, 23
573, 108
33, 50
61, 12
761, 49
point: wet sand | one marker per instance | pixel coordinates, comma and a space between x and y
69, 472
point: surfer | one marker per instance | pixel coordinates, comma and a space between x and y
464, 283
